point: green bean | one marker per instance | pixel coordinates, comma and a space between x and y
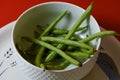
82, 28
38, 58
59, 31
42, 66
72, 48
61, 53
58, 67
86, 51
97, 35
74, 37
67, 42
49, 28
63, 31
52, 55
78, 54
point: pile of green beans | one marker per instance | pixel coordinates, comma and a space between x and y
55, 49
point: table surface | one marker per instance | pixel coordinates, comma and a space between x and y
106, 12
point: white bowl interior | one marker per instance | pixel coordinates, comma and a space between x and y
43, 14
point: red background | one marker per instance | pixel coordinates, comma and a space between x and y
106, 12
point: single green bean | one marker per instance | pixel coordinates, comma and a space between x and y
74, 37
87, 12
38, 58
60, 52
86, 51
78, 54
52, 25
67, 42
97, 35
72, 48
63, 31
58, 67
82, 28
60, 31
42, 66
